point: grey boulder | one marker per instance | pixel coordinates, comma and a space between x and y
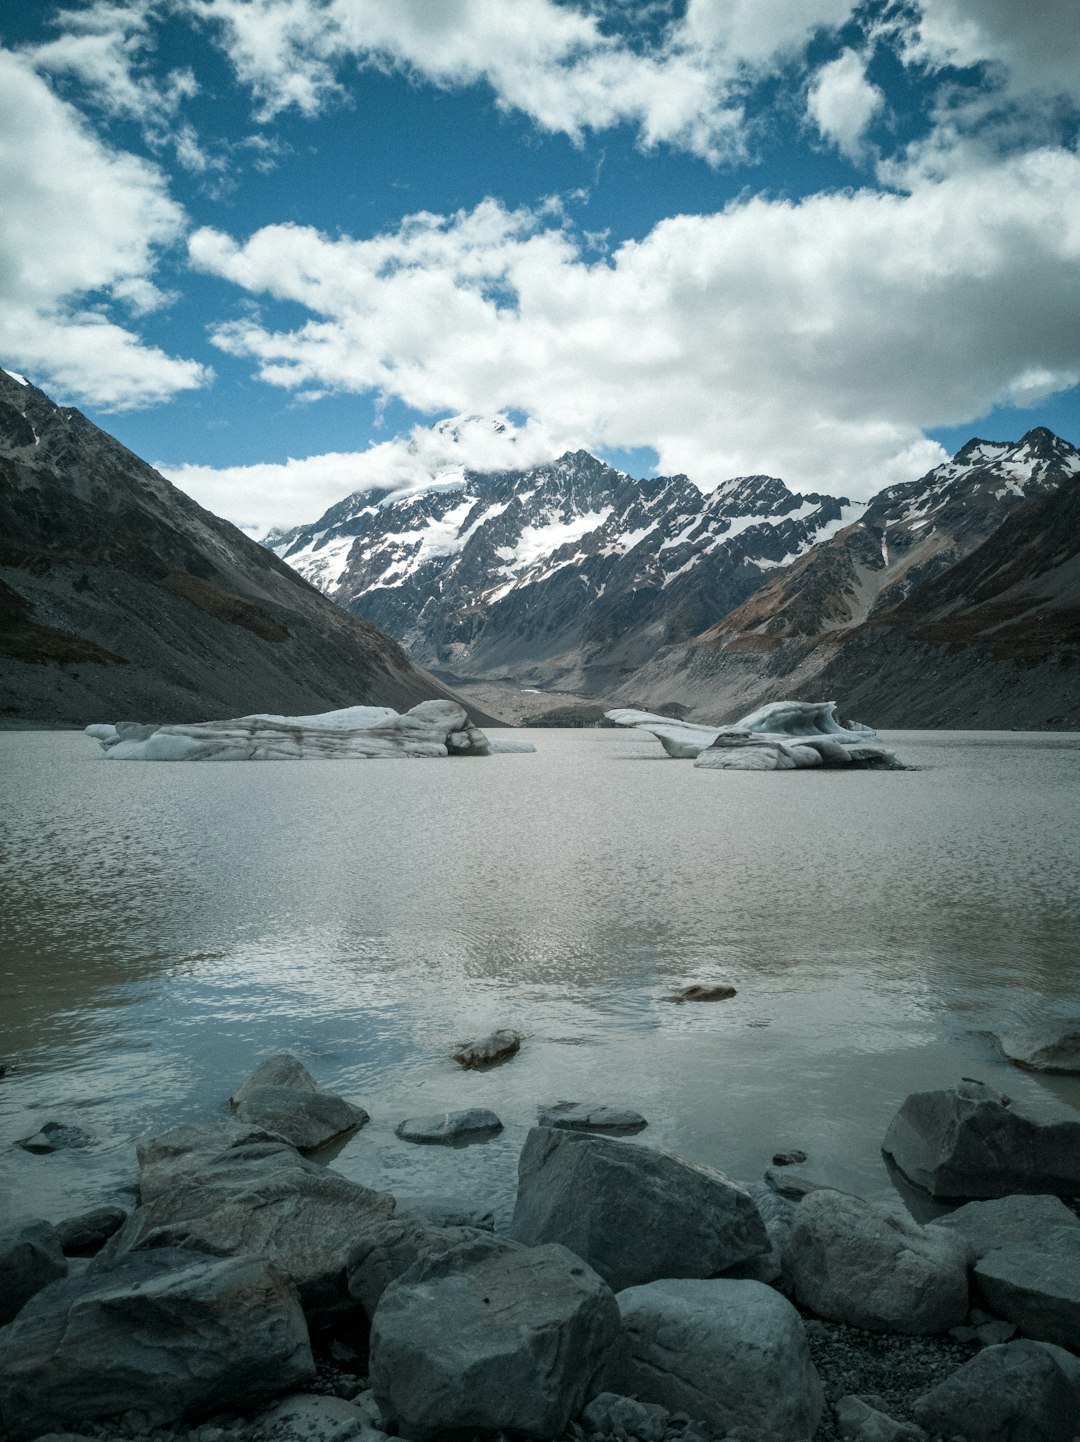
632, 1213
971, 1142
731, 1353
282, 1096
172, 1156
90, 1230
490, 1050
857, 1421
1010, 1221
853, 1262
391, 1247
449, 1127
1036, 1286
55, 1137
448, 1211
165, 1334
1053, 1046
313, 1418
608, 1411
588, 1117
778, 1214
491, 1340
30, 1258
1015, 1393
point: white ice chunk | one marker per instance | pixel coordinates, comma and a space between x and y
434, 728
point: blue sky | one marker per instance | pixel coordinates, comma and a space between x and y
269, 243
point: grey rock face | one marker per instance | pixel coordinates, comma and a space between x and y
490, 1050
90, 1230
30, 1258
390, 1248
483, 1340
443, 1211
1053, 1047
732, 1353
795, 1182
608, 1411
1069, 1363
174, 1155
1015, 1393
313, 1418
1037, 1286
164, 1333
449, 1127
55, 1137
778, 1214
850, 1261
588, 1117
968, 1142
857, 1421
282, 1096
264, 1200
632, 1213
1009, 1221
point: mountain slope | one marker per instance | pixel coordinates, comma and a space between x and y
121, 597
571, 573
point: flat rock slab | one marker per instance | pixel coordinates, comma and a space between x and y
165, 1333
730, 1353
1015, 1393
588, 1117
1051, 1047
283, 1097
632, 1213
30, 1258
970, 1142
1020, 1221
853, 1262
491, 1340
498, 1046
449, 1127
1036, 1286
55, 1137
173, 1156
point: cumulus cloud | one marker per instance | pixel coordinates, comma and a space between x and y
1034, 48
842, 102
258, 497
815, 339
80, 227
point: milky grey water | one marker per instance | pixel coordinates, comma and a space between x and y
163, 927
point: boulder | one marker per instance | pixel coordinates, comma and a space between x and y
1015, 1393
449, 1127
55, 1137
853, 1262
490, 1340
608, 1411
1037, 1285
857, 1421
588, 1117
390, 1248
632, 1213
1070, 1366
778, 1214
795, 1182
30, 1258
448, 1211
313, 1418
172, 1156
282, 1096
89, 1231
971, 1142
1010, 1221
705, 991
793, 1158
263, 1200
1053, 1046
731, 1353
490, 1050
164, 1333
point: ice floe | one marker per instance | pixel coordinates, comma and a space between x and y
782, 736
434, 728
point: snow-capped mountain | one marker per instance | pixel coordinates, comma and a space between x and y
570, 571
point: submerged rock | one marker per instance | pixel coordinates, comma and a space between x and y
282, 1097
632, 1213
31, 1257
449, 1127
498, 1046
55, 1137
587, 1117
971, 1142
165, 1333
716, 991
434, 728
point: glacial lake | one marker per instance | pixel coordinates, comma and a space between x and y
164, 927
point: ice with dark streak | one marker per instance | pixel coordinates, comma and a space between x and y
782, 736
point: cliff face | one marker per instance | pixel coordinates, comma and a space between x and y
120, 597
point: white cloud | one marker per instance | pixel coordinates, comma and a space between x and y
1035, 47
258, 497
80, 226
815, 339
842, 102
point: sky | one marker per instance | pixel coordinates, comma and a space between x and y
271, 244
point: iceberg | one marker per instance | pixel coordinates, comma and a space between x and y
434, 728
782, 736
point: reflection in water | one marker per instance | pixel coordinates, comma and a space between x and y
163, 927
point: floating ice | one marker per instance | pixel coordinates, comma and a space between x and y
782, 736
434, 728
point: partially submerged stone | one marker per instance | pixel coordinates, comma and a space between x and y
588, 1117
448, 1127
634, 1214
165, 1333
705, 991
498, 1046
282, 1097
31, 1257
1052, 1046
971, 1142
55, 1137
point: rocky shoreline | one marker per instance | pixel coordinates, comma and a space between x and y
255, 1295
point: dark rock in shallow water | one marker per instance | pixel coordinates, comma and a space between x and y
55, 1137
165, 1333
1051, 1047
793, 1158
970, 1142
90, 1230
30, 1258
586, 1117
632, 1213
717, 991
491, 1340
282, 1096
499, 1046
449, 1127
1015, 1393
